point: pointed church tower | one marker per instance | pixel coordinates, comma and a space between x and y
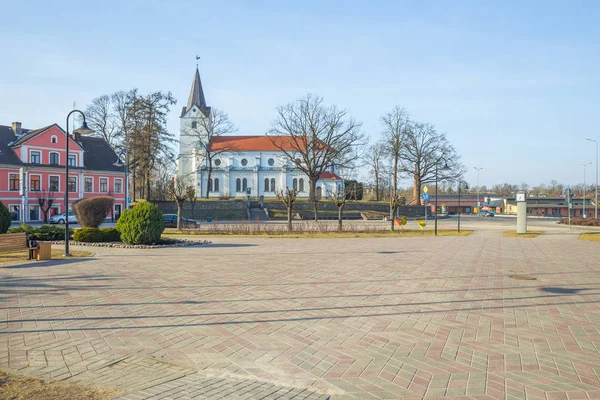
191, 156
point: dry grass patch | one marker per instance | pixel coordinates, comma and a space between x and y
529, 234
592, 236
16, 387
321, 235
57, 254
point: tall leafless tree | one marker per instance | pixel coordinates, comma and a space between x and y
101, 117
423, 151
376, 162
395, 125
206, 139
315, 137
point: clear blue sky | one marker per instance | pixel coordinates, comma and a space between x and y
515, 85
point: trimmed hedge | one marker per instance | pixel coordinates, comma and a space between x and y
5, 219
44, 232
92, 212
143, 224
95, 235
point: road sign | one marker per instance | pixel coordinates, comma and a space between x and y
425, 196
129, 199
425, 190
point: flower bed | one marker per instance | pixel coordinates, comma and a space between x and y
120, 245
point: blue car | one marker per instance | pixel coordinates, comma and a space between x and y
485, 213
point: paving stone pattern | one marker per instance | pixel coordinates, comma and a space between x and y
313, 318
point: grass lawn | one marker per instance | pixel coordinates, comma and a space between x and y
16, 387
57, 254
593, 236
529, 234
332, 235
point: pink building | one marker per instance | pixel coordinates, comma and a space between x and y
32, 171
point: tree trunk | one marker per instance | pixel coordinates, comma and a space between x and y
392, 212
207, 183
179, 212
133, 182
313, 196
417, 188
376, 185
289, 218
395, 173
340, 209
193, 204
147, 186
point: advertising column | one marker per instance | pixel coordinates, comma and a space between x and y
521, 212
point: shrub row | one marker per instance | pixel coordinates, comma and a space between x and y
581, 221
97, 235
44, 232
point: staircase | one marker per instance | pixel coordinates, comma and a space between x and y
257, 214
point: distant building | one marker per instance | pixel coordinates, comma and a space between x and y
256, 167
32, 167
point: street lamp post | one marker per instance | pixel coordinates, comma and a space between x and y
460, 183
445, 167
585, 164
83, 130
596, 187
478, 169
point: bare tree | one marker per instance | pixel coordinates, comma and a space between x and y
395, 125
425, 150
101, 117
376, 162
179, 191
192, 198
315, 137
206, 136
45, 200
288, 197
396, 200
339, 197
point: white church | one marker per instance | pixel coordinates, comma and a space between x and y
256, 167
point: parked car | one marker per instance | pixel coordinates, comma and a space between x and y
171, 221
485, 213
60, 218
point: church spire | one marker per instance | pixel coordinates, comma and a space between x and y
197, 96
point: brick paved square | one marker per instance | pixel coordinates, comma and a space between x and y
295, 318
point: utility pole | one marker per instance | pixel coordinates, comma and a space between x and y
596, 188
585, 164
478, 169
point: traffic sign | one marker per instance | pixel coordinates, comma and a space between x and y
425, 190
129, 199
425, 196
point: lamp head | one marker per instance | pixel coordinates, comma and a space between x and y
84, 129
119, 163
445, 167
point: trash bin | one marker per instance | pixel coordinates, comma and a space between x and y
208, 219
45, 252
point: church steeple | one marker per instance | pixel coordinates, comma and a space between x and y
196, 97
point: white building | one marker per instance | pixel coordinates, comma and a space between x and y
256, 166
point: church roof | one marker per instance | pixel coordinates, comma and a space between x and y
196, 96
328, 175
252, 143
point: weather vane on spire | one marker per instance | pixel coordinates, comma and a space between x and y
197, 58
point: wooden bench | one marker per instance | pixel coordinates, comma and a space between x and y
17, 242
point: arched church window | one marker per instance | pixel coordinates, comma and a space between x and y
272, 184
301, 185
216, 184
194, 124
295, 184
244, 184
266, 184
238, 185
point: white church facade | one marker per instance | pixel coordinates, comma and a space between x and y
254, 166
